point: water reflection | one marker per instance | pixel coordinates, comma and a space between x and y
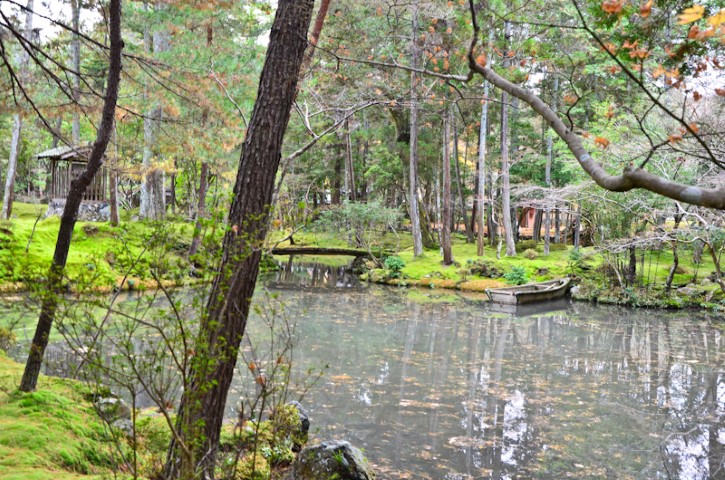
437, 388
448, 390
295, 274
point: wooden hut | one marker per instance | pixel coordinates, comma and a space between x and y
66, 164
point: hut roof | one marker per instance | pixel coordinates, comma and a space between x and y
77, 153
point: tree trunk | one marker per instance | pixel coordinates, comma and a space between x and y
23, 58
315, 33
505, 181
459, 182
76, 58
413, 172
446, 220
349, 166
718, 270
78, 187
481, 172
56, 132
114, 219
335, 197
632, 269
200, 209
9, 193
549, 161
152, 184
675, 256
536, 228
577, 226
172, 188
222, 326
557, 225
426, 236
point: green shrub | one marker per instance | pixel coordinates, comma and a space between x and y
526, 245
557, 247
7, 338
576, 259
394, 265
517, 276
530, 254
253, 467
484, 268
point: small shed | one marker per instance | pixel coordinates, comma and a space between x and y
66, 164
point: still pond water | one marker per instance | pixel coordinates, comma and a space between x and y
437, 386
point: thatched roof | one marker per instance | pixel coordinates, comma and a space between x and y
78, 153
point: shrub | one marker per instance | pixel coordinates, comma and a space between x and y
365, 224
526, 245
7, 338
531, 254
576, 259
484, 268
557, 247
394, 265
517, 276
253, 467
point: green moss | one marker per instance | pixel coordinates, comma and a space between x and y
100, 254
50, 433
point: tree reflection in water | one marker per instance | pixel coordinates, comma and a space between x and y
435, 386
440, 388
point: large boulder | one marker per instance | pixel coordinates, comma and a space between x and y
112, 408
332, 459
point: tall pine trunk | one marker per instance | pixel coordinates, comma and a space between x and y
505, 161
549, 161
152, 184
447, 217
200, 209
415, 214
222, 326
76, 58
459, 182
481, 173
9, 192
53, 289
114, 219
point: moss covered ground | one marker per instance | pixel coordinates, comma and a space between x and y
52, 433
596, 281
137, 255
100, 254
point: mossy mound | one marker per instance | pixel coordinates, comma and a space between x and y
52, 433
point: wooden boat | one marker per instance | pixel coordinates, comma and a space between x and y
530, 293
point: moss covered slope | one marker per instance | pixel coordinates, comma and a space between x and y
52, 433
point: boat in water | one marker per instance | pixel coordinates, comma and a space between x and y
530, 293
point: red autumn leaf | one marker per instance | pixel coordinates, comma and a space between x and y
612, 6
645, 9
720, 92
602, 142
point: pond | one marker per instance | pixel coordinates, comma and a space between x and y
435, 385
